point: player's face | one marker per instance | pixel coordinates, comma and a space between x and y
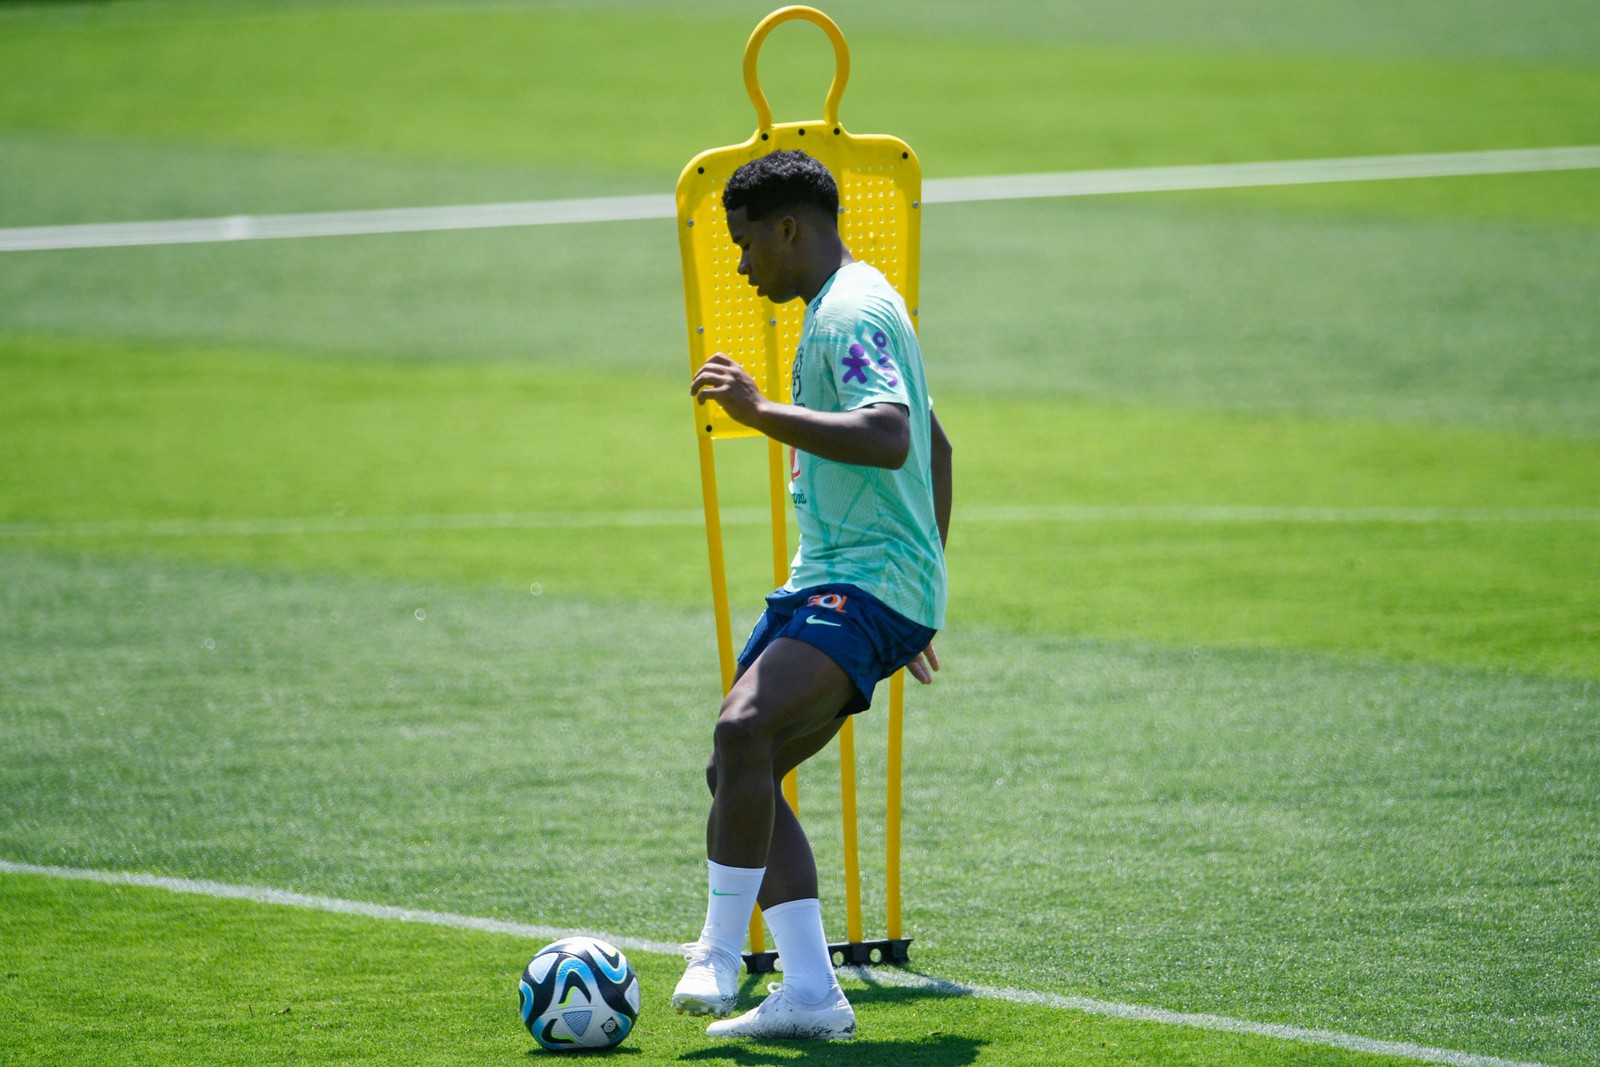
766, 253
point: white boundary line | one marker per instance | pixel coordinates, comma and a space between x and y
258, 895
334, 524
1303, 1035
337, 223
1243, 175
1233, 513
875, 975
662, 206
685, 517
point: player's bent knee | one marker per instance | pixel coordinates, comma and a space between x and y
740, 738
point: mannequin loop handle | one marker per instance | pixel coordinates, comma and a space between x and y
841, 57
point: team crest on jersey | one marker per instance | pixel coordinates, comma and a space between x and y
794, 375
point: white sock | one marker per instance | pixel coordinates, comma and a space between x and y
803, 948
730, 901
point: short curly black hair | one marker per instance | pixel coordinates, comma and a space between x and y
784, 179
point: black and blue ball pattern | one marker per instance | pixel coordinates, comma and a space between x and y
579, 993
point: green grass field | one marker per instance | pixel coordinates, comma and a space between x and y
371, 567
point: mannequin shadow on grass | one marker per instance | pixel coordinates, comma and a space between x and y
934, 1050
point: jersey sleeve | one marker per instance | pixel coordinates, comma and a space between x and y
864, 365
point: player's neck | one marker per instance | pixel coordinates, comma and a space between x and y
830, 258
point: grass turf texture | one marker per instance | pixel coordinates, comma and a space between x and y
408, 84
1390, 851
620, 90
1327, 775
246, 984
1131, 302
182, 436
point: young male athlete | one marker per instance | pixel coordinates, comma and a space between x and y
865, 594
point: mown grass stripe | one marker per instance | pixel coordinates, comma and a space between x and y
873, 975
743, 516
661, 206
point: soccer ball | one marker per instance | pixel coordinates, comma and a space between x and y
579, 993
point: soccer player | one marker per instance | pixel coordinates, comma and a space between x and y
865, 594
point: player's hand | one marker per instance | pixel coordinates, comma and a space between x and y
723, 380
923, 667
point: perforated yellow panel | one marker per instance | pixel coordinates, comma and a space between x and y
880, 194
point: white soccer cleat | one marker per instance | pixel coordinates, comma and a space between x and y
783, 1016
710, 984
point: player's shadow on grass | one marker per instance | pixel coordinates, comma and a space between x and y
922, 1050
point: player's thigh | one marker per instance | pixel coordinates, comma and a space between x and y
792, 691
803, 748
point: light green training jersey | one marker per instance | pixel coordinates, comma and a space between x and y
866, 526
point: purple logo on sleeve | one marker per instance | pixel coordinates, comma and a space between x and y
857, 362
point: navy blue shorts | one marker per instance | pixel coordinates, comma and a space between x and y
865, 637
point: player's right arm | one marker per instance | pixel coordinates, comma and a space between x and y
874, 435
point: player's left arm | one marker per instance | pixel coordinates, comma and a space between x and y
874, 435
939, 464
926, 663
